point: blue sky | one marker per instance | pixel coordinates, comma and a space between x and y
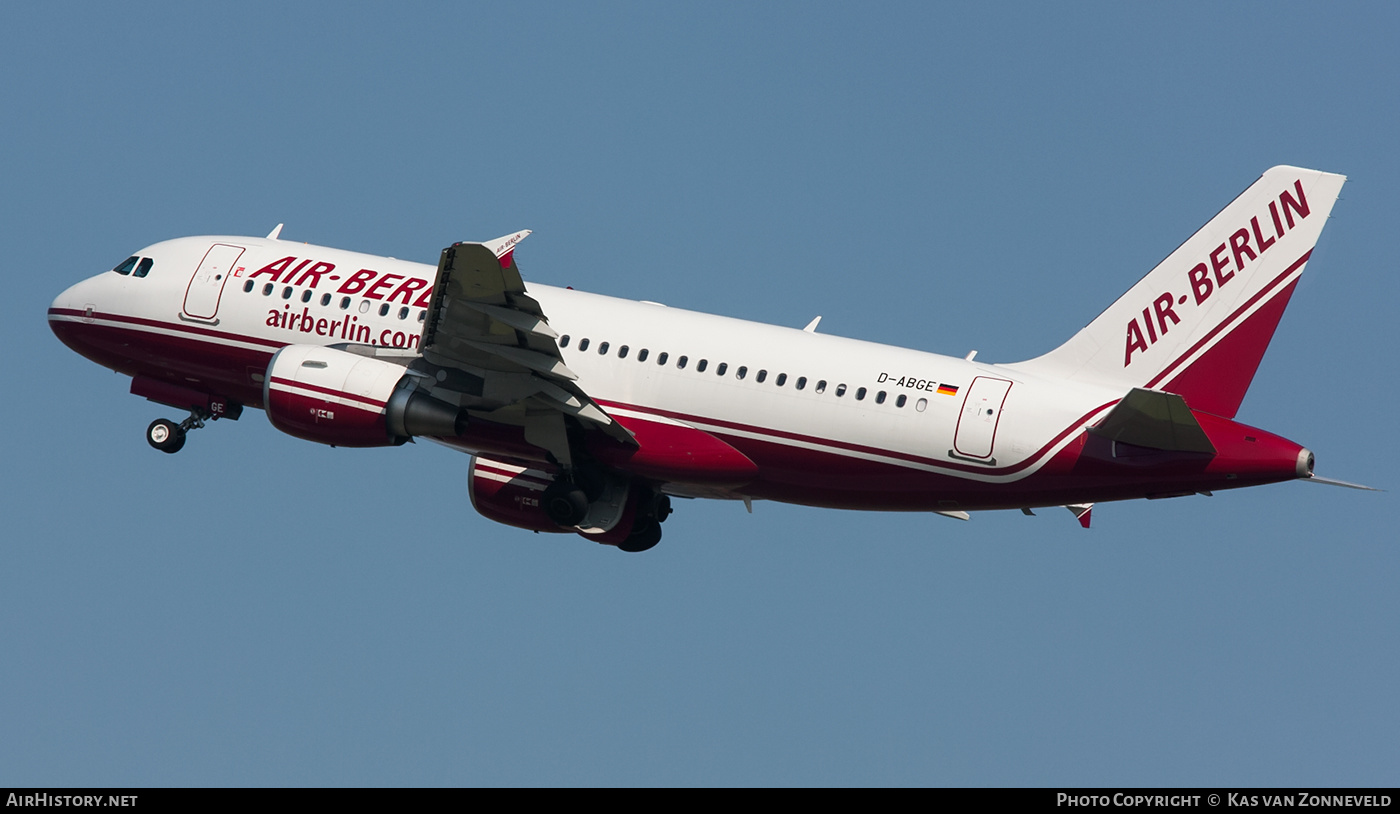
260, 610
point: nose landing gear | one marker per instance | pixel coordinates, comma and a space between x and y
167, 436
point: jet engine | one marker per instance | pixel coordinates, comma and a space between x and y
344, 399
610, 510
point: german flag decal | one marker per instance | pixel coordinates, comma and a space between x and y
947, 390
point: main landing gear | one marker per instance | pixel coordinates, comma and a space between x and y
646, 528
567, 500
167, 436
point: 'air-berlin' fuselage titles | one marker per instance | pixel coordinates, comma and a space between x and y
585, 413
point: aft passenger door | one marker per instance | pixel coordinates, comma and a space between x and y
977, 426
207, 284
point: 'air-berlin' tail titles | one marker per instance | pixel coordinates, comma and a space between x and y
1226, 259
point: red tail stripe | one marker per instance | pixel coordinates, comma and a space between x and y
1229, 322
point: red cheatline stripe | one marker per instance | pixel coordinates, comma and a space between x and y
377, 405
886, 453
1227, 323
173, 326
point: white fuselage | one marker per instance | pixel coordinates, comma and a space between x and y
840, 395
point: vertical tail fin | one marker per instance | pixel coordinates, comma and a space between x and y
1198, 324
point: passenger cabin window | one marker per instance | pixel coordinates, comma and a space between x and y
661, 359
422, 315
723, 366
860, 394
248, 287
821, 386
880, 397
267, 290
642, 355
364, 306
801, 382
325, 300
840, 390
622, 352
306, 295
899, 402
564, 341
603, 349
287, 293
741, 372
680, 363
344, 303
384, 310
701, 365
125, 266
403, 312
921, 405
762, 374
144, 267
782, 379
583, 343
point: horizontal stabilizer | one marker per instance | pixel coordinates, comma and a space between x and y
1157, 420
1331, 482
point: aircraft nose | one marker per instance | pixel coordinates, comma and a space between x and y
70, 310
65, 300
74, 301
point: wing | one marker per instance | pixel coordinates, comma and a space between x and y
495, 354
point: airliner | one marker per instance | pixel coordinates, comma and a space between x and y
587, 414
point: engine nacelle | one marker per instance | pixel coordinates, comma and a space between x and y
510, 494
515, 495
333, 397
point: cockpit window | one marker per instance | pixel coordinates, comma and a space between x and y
126, 265
144, 268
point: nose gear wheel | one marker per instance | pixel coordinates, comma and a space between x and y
169, 437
